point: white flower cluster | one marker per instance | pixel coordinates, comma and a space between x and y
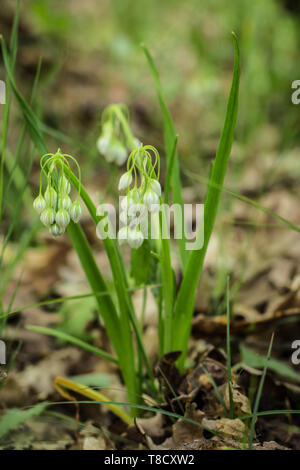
116, 136
55, 207
138, 200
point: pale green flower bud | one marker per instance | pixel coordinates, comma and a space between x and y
50, 197
103, 144
151, 200
135, 238
137, 142
75, 211
64, 202
62, 218
125, 180
56, 230
39, 204
64, 185
48, 216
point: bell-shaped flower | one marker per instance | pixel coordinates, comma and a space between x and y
64, 202
39, 204
56, 230
75, 211
62, 218
135, 238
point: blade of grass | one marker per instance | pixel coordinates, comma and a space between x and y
258, 395
23, 132
249, 201
139, 407
217, 391
169, 172
184, 306
271, 413
73, 340
13, 46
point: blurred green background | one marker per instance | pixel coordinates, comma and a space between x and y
91, 57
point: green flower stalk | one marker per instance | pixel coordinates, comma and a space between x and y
55, 206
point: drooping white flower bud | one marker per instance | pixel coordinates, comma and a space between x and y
62, 218
56, 230
64, 185
48, 216
125, 203
39, 204
75, 211
155, 186
64, 202
135, 238
122, 235
50, 197
125, 180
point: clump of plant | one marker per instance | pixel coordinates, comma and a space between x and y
141, 185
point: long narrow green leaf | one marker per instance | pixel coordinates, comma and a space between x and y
13, 45
184, 306
70, 298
